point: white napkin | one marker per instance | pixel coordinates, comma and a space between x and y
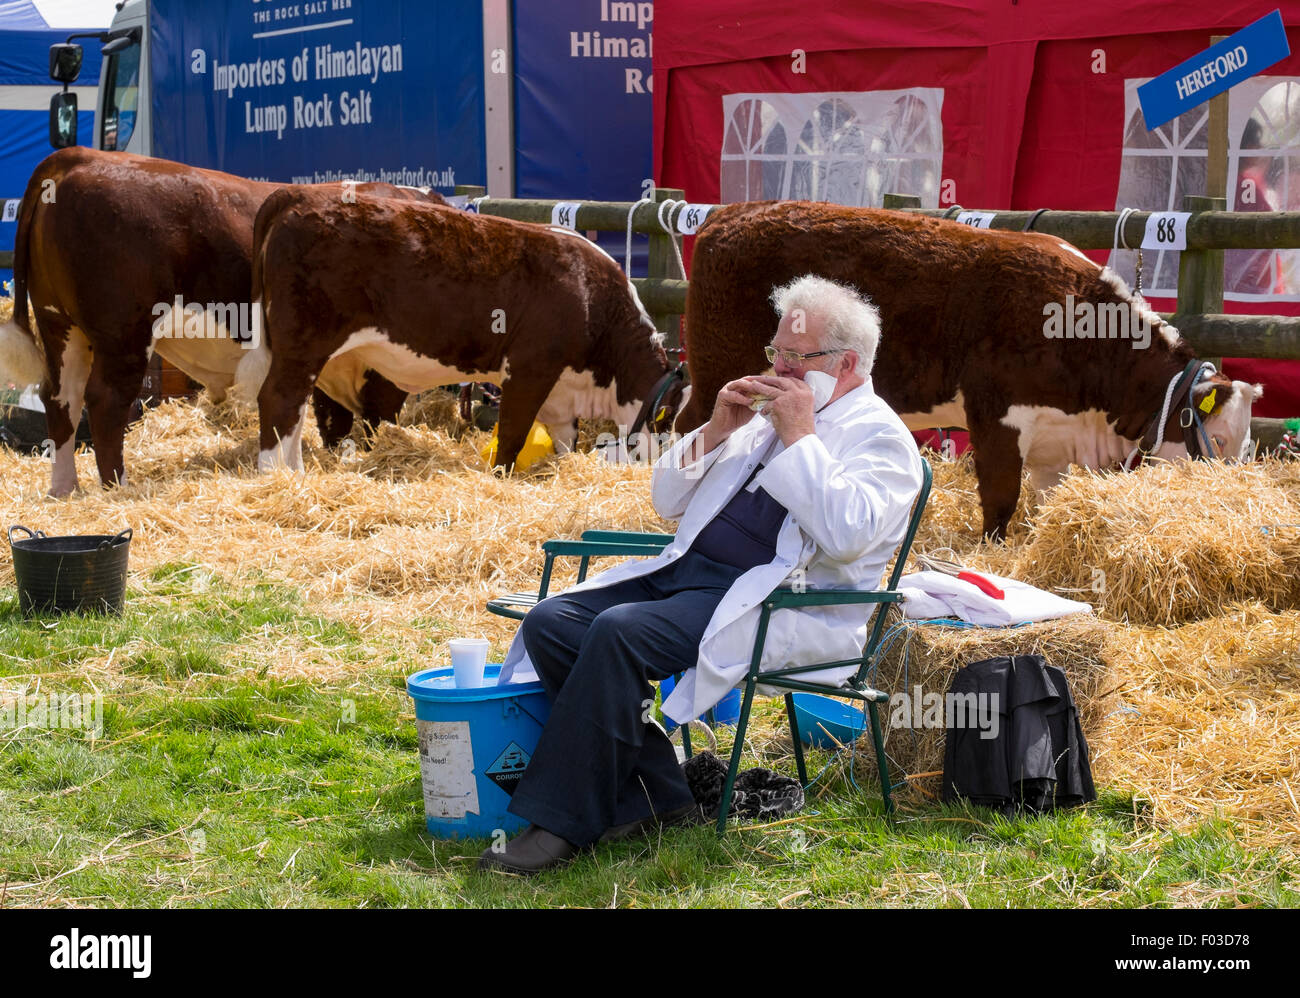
822, 385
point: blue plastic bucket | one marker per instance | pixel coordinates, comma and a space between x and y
726, 711
826, 722
474, 747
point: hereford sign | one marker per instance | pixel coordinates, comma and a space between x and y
1223, 65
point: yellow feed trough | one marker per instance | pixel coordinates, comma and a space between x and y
537, 446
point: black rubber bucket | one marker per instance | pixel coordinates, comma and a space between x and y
78, 574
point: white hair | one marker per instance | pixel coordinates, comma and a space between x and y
849, 320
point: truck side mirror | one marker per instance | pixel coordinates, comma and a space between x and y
63, 120
65, 62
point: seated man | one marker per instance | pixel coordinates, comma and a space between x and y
816, 489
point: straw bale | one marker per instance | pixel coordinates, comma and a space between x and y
929, 656
1207, 719
1171, 542
1165, 544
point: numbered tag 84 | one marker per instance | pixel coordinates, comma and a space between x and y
565, 214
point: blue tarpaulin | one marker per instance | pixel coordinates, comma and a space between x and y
27, 30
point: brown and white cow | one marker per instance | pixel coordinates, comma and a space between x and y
427, 295
104, 239
975, 335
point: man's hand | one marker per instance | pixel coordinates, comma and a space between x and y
791, 408
733, 408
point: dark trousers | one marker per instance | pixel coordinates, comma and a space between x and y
600, 762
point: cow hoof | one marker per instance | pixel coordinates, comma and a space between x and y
273, 460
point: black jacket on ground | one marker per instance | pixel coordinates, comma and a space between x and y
1039, 758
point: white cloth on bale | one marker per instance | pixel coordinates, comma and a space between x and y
849, 489
934, 594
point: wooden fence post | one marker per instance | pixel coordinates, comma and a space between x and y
1200, 272
663, 266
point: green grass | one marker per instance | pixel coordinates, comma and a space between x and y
216, 784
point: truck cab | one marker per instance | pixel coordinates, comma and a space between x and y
121, 117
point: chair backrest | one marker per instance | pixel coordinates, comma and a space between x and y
913, 524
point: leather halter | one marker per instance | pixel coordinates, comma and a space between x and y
1179, 402
657, 393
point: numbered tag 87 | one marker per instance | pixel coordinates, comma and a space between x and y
976, 219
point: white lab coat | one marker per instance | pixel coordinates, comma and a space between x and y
849, 490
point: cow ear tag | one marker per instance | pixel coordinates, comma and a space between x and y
1207, 403
663, 411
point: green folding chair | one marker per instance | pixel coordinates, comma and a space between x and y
594, 544
857, 687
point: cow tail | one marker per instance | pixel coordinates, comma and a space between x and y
21, 360
267, 216
256, 364
22, 256
260, 225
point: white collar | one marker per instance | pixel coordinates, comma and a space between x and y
854, 396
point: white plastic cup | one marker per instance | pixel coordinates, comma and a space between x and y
468, 661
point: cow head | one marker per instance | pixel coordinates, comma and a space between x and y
1224, 406
642, 367
667, 399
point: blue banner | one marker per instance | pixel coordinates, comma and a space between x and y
583, 111
308, 91
1239, 56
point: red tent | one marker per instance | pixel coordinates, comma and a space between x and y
983, 103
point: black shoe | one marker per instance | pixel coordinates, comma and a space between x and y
531, 851
688, 815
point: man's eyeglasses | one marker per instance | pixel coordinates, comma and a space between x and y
793, 358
